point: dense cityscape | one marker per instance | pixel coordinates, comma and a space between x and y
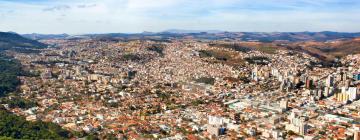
179, 70
188, 89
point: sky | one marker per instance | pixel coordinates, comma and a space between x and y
134, 16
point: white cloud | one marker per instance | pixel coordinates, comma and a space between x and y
80, 16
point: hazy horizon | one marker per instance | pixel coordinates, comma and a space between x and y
136, 16
187, 31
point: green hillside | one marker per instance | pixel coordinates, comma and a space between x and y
13, 41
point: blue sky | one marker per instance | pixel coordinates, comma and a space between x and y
130, 16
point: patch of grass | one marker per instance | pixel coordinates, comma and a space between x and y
157, 48
221, 56
131, 57
233, 46
206, 80
216, 54
260, 60
267, 49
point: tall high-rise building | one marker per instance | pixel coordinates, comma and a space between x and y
344, 77
213, 129
330, 81
284, 104
356, 76
350, 93
297, 124
342, 97
215, 126
357, 135
320, 94
275, 72
308, 83
326, 91
347, 83
254, 74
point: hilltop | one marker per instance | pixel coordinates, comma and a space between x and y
13, 41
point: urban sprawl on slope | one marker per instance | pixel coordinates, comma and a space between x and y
186, 89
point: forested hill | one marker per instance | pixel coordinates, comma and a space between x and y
9, 69
13, 41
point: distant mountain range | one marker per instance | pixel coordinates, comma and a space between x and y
179, 31
209, 35
13, 41
35, 36
323, 45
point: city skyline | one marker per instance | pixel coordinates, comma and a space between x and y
134, 16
